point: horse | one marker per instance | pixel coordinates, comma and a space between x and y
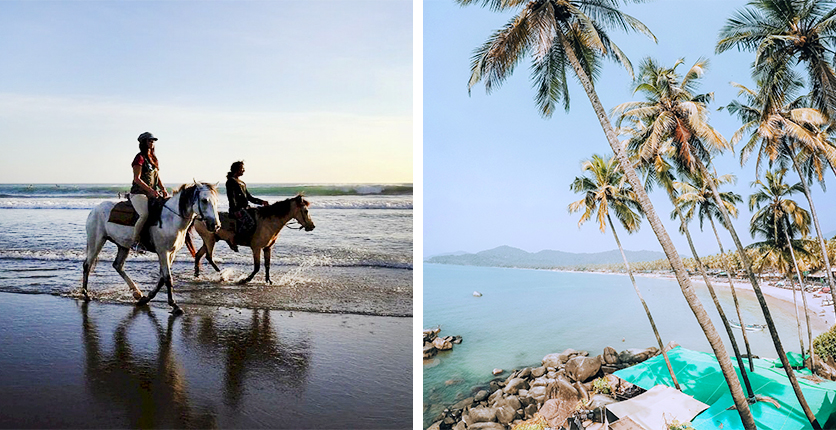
196, 200
269, 221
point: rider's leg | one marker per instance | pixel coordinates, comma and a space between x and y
140, 204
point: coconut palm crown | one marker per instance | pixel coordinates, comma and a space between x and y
537, 31
605, 190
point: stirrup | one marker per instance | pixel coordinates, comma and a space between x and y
138, 248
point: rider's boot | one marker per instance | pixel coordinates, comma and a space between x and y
138, 248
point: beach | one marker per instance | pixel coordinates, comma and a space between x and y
71, 364
325, 345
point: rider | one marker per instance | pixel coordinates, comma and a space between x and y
239, 198
146, 183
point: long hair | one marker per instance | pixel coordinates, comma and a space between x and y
148, 153
234, 168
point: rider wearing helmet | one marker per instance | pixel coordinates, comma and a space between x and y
146, 183
239, 198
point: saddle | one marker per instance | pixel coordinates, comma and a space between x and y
229, 223
123, 213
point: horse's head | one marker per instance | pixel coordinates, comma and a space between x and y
204, 203
300, 212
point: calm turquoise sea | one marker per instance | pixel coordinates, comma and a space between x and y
524, 315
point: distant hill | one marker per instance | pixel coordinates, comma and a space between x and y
507, 256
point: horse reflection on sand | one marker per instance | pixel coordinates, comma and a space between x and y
152, 390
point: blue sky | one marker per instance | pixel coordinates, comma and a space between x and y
496, 173
317, 91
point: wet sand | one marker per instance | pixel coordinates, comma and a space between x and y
69, 364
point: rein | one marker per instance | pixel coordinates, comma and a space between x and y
200, 216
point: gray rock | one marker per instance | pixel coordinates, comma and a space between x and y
515, 385
487, 426
635, 355
582, 368
429, 351
481, 395
494, 396
538, 394
538, 372
610, 355
460, 426
442, 344
539, 382
479, 415
462, 404
552, 360
505, 414
513, 402
494, 385
436, 426
525, 373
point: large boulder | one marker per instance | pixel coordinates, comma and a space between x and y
552, 360
538, 372
430, 334
538, 394
562, 389
636, 355
556, 411
530, 410
514, 402
460, 426
505, 414
582, 368
429, 350
442, 344
525, 373
610, 355
481, 395
479, 415
515, 385
464, 404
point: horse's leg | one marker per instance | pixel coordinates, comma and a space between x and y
166, 274
256, 266
210, 251
119, 265
200, 253
144, 300
267, 252
94, 246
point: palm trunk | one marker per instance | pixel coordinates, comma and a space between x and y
734, 294
819, 233
723, 318
747, 264
795, 306
646, 309
803, 298
665, 241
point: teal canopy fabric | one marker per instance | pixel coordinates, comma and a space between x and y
699, 375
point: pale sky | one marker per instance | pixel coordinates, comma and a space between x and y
304, 92
496, 173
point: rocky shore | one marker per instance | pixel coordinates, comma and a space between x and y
566, 385
433, 343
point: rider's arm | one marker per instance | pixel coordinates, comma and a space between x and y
138, 180
162, 186
255, 200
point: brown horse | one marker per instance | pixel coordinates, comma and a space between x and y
269, 221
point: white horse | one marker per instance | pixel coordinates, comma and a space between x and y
197, 200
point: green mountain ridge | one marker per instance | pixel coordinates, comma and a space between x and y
507, 256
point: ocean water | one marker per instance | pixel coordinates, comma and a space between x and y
524, 315
362, 243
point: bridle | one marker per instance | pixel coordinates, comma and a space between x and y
200, 216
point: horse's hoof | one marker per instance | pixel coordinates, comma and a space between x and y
177, 310
143, 301
85, 296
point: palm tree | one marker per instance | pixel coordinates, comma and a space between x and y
784, 33
604, 189
571, 33
695, 199
787, 134
778, 221
673, 113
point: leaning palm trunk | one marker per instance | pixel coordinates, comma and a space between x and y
797, 318
646, 309
819, 233
667, 246
734, 294
723, 318
747, 264
803, 300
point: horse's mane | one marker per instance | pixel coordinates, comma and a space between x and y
189, 195
280, 208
